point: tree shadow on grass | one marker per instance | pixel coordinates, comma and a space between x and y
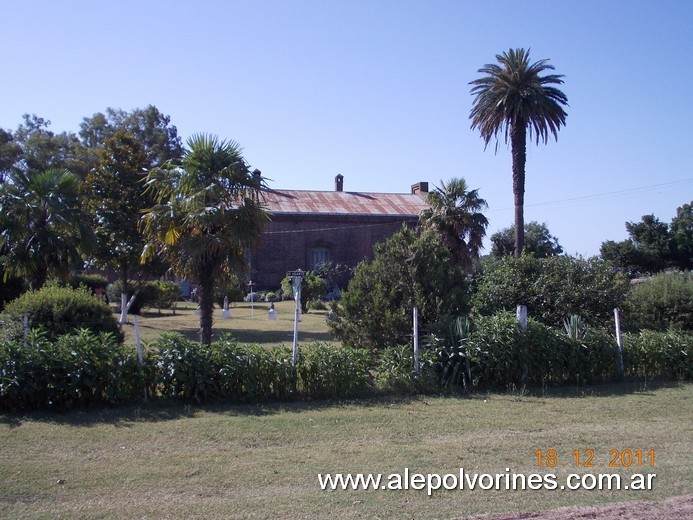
162, 410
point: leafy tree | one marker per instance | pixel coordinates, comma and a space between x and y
408, 270
538, 241
552, 288
313, 288
152, 129
10, 153
654, 246
653, 241
114, 198
681, 230
42, 227
42, 149
455, 213
511, 99
208, 211
623, 255
661, 303
336, 276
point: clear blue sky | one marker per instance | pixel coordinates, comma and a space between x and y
378, 91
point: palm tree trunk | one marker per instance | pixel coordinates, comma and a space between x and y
518, 140
206, 307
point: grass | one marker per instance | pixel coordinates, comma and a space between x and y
262, 461
248, 324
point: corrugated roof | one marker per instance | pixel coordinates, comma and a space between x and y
343, 203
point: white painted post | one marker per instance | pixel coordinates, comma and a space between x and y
619, 341
226, 313
26, 327
138, 344
522, 316
416, 341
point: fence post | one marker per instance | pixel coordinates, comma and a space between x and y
521, 314
25, 323
416, 341
619, 341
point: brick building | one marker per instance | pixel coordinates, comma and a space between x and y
309, 227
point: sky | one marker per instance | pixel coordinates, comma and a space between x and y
378, 91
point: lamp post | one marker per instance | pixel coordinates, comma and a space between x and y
296, 279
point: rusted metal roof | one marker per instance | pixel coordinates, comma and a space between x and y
343, 203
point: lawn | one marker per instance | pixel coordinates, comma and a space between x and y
262, 461
249, 323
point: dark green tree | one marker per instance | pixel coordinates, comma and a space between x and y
10, 153
511, 99
114, 198
681, 230
43, 229
208, 211
539, 241
152, 129
409, 269
42, 149
455, 213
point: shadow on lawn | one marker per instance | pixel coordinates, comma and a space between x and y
160, 410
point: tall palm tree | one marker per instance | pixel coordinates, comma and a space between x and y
42, 228
455, 213
208, 211
512, 98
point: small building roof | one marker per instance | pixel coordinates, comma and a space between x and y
343, 203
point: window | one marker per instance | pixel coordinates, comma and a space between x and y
319, 255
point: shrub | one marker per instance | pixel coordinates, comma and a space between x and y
75, 370
407, 270
394, 370
59, 310
659, 303
313, 288
665, 355
147, 294
553, 289
93, 282
166, 295
494, 353
328, 372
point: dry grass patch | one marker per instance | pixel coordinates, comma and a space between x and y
262, 461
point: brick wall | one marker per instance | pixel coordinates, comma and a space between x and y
289, 239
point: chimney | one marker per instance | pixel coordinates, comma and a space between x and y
339, 182
420, 188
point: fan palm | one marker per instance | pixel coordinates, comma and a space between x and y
512, 98
208, 211
42, 228
455, 213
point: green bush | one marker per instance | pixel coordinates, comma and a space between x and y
147, 294
313, 288
59, 310
75, 370
394, 369
659, 303
93, 282
408, 270
495, 353
166, 294
328, 372
661, 355
553, 289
